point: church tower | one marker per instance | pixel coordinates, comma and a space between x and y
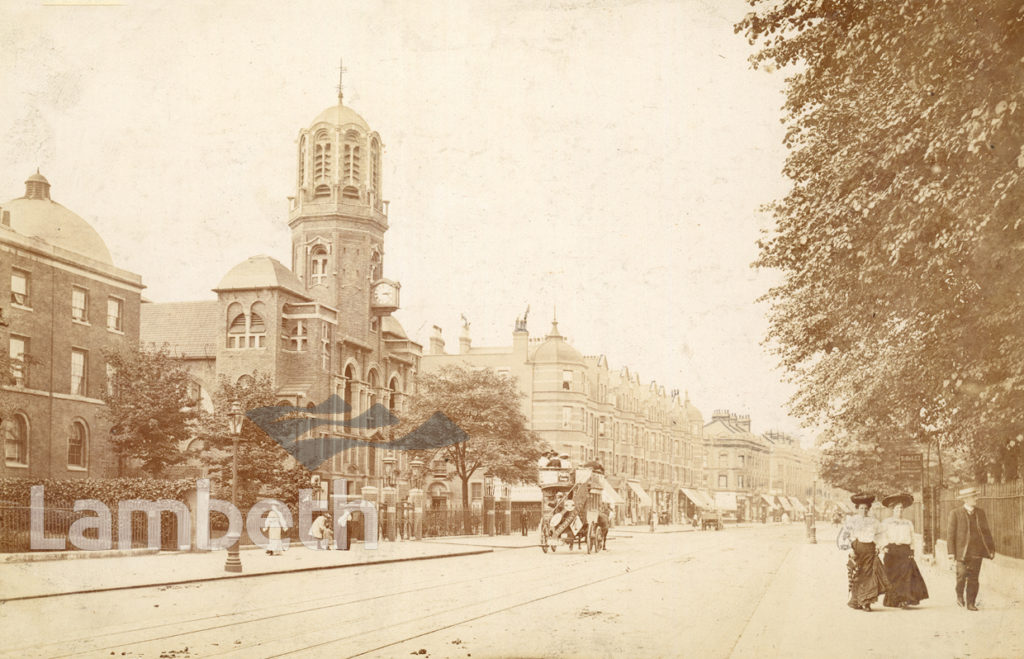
338, 219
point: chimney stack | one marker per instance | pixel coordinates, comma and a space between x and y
436, 342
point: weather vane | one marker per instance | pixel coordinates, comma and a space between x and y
341, 72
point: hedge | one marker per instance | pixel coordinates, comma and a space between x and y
63, 493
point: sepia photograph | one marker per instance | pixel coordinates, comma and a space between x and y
512, 329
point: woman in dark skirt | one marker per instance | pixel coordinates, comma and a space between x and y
907, 584
865, 572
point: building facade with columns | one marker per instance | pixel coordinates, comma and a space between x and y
62, 302
323, 325
647, 438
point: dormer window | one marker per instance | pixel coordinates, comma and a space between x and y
567, 380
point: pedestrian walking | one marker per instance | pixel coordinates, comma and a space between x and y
274, 526
864, 570
524, 520
908, 587
968, 541
321, 529
654, 519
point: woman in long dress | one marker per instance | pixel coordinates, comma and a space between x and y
907, 584
275, 526
864, 570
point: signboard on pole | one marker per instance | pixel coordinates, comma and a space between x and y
911, 464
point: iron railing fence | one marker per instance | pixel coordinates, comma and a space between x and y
1003, 504
16, 528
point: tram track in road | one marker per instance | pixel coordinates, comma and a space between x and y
266, 610
142, 635
482, 615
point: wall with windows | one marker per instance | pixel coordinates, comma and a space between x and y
62, 309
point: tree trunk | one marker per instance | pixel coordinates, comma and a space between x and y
467, 513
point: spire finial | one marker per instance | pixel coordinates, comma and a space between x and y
341, 73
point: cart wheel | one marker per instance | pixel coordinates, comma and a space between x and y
544, 541
591, 540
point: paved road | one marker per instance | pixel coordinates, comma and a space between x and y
739, 592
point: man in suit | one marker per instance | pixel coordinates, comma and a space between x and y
968, 541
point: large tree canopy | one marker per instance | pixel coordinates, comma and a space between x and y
486, 406
148, 405
900, 315
265, 469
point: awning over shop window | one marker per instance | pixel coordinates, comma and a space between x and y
786, 505
525, 493
645, 499
797, 506
725, 500
700, 499
770, 500
608, 493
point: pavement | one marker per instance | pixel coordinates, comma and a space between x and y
36, 579
803, 613
65, 573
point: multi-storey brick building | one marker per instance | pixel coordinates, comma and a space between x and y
648, 439
793, 472
63, 301
736, 466
323, 326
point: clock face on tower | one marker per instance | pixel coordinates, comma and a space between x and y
385, 296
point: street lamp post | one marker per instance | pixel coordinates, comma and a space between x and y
234, 561
489, 503
416, 495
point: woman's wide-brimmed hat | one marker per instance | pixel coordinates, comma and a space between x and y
860, 498
902, 498
968, 492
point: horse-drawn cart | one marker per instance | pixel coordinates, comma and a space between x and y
572, 509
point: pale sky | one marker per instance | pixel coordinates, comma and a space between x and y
607, 157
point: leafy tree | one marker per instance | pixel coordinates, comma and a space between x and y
901, 238
486, 406
147, 405
265, 469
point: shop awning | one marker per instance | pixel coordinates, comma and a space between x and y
725, 500
609, 495
699, 499
797, 506
525, 493
770, 500
645, 499
786, 505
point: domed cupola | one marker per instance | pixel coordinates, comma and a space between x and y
556, 350
38, 216
339, 160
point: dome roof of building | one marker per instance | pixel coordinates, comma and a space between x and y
556, 349
37, 215
392, 326
341, 115
261, 272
